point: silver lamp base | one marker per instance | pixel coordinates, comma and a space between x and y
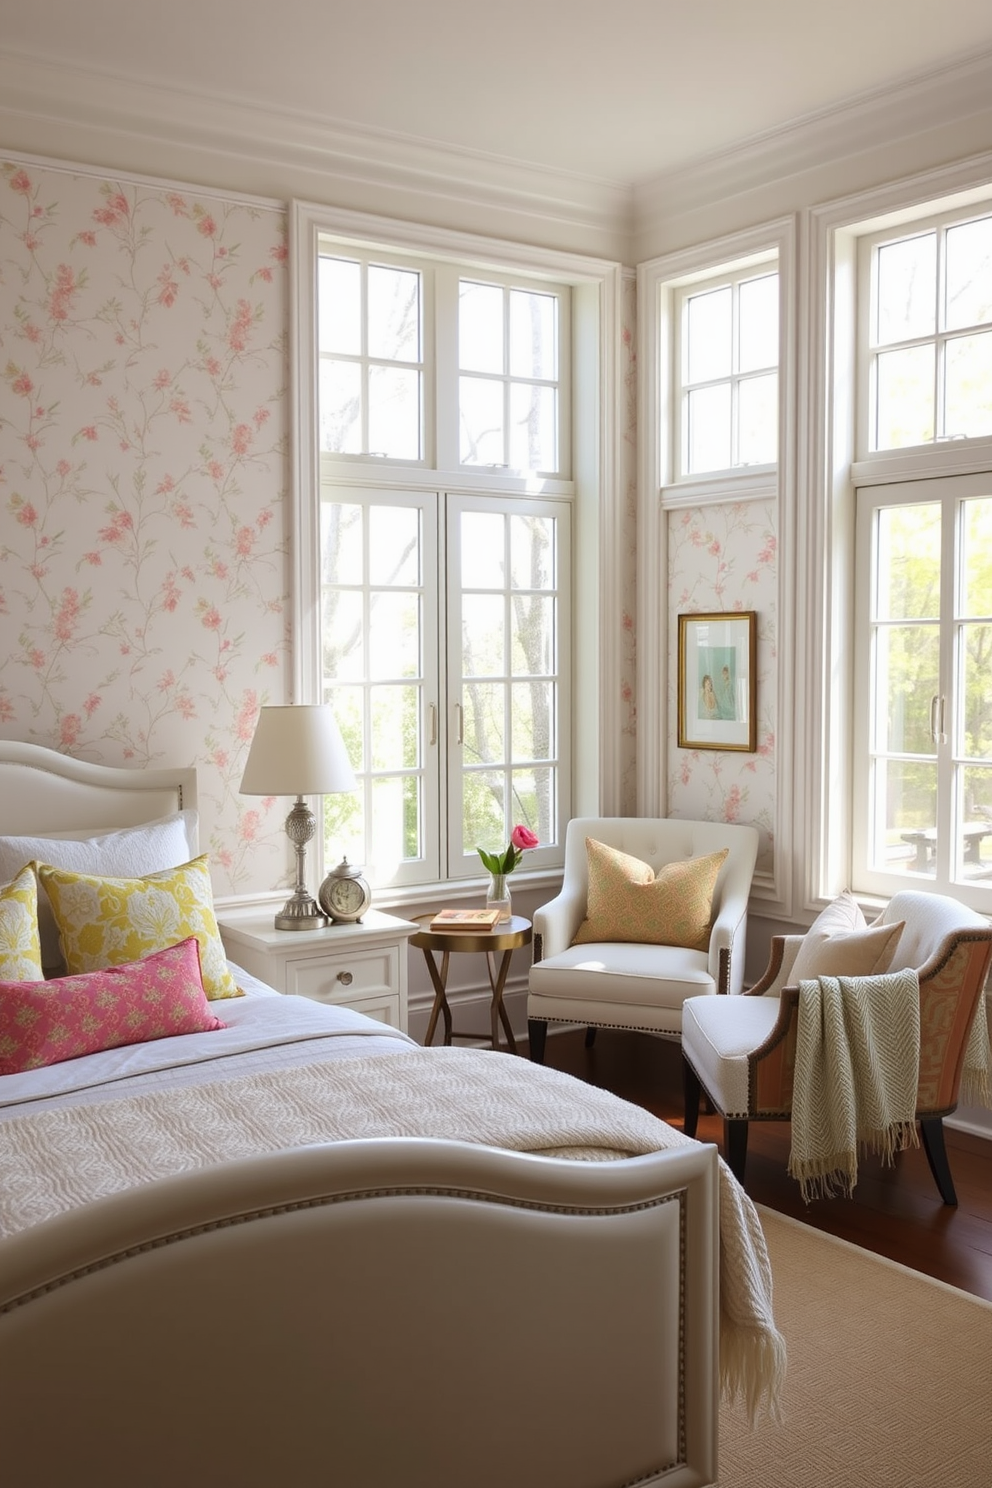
301, 911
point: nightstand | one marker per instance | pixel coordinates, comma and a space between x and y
357, 966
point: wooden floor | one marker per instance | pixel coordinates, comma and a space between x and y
895, 1211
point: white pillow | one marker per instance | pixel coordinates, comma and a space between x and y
840, 943
128, 852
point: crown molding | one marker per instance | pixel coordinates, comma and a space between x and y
870, 121
116, 123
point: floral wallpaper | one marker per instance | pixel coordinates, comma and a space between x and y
720, 558
143, 484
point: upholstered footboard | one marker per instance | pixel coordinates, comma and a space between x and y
390, 1312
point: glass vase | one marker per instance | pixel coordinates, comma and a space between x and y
498, 896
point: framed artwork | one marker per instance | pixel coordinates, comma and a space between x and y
717, 681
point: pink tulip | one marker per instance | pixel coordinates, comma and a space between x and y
522, 837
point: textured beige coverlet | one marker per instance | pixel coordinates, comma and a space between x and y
55, 1160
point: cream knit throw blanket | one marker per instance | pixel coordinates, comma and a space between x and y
856, 1076
54, 1160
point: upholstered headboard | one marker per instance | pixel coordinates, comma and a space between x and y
42, 791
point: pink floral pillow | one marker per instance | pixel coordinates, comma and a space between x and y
47, 1022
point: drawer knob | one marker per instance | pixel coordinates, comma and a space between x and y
345, 978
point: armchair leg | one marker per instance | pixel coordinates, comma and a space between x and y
537, 1031
735, 1147
691, 1093
590, 1037
932, 1132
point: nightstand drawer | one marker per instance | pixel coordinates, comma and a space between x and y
357, 980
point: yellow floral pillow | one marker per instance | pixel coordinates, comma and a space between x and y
110, 921
20, 947
628, 901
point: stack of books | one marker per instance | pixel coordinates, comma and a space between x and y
465, 921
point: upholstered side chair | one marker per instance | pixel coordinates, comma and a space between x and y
744, 1062
638, 985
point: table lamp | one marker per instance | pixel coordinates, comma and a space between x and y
297, 750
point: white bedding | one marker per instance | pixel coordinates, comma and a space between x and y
265, 1031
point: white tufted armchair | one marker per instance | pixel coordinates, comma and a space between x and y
627, 985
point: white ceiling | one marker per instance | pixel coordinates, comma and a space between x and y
621, 93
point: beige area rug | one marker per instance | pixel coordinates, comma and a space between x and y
889, 1382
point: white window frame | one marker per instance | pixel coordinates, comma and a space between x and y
866, 354
825, 521
950, 494
731, 278
596, 490
660, 494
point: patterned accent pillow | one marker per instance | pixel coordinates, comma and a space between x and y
125, 852
108, 921
628, 901
47, 1022
20, 947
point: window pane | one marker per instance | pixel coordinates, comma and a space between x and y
969, 274
708, 419
483, 639
907, 289
533, 335
758, 420
976, 835
339, 306
394, 635
905, 839
480, 327
395, 736
907, 562
968, 386
343, 635
709, 337
347, 705
976, 557
976, 702
340, 396
394, 412
481, 419
396, 821
394, 314
533, 636
758, 315
907, 660
532, 802
532, 715
341, 543
533, 427
484, 810
532, 552
482, 560
484, 723
344, 826
394, 546
905, 397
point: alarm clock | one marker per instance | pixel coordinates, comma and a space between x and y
345, 895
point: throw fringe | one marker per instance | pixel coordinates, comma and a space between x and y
835, 1175
752, 1370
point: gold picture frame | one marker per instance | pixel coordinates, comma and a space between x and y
717, 681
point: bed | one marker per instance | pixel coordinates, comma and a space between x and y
300, 1249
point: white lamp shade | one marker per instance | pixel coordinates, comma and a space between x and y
297, 750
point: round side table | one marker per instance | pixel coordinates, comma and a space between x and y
502, 941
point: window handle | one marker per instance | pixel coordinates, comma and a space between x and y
432, 726
937, 720
941, 736
461, 723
